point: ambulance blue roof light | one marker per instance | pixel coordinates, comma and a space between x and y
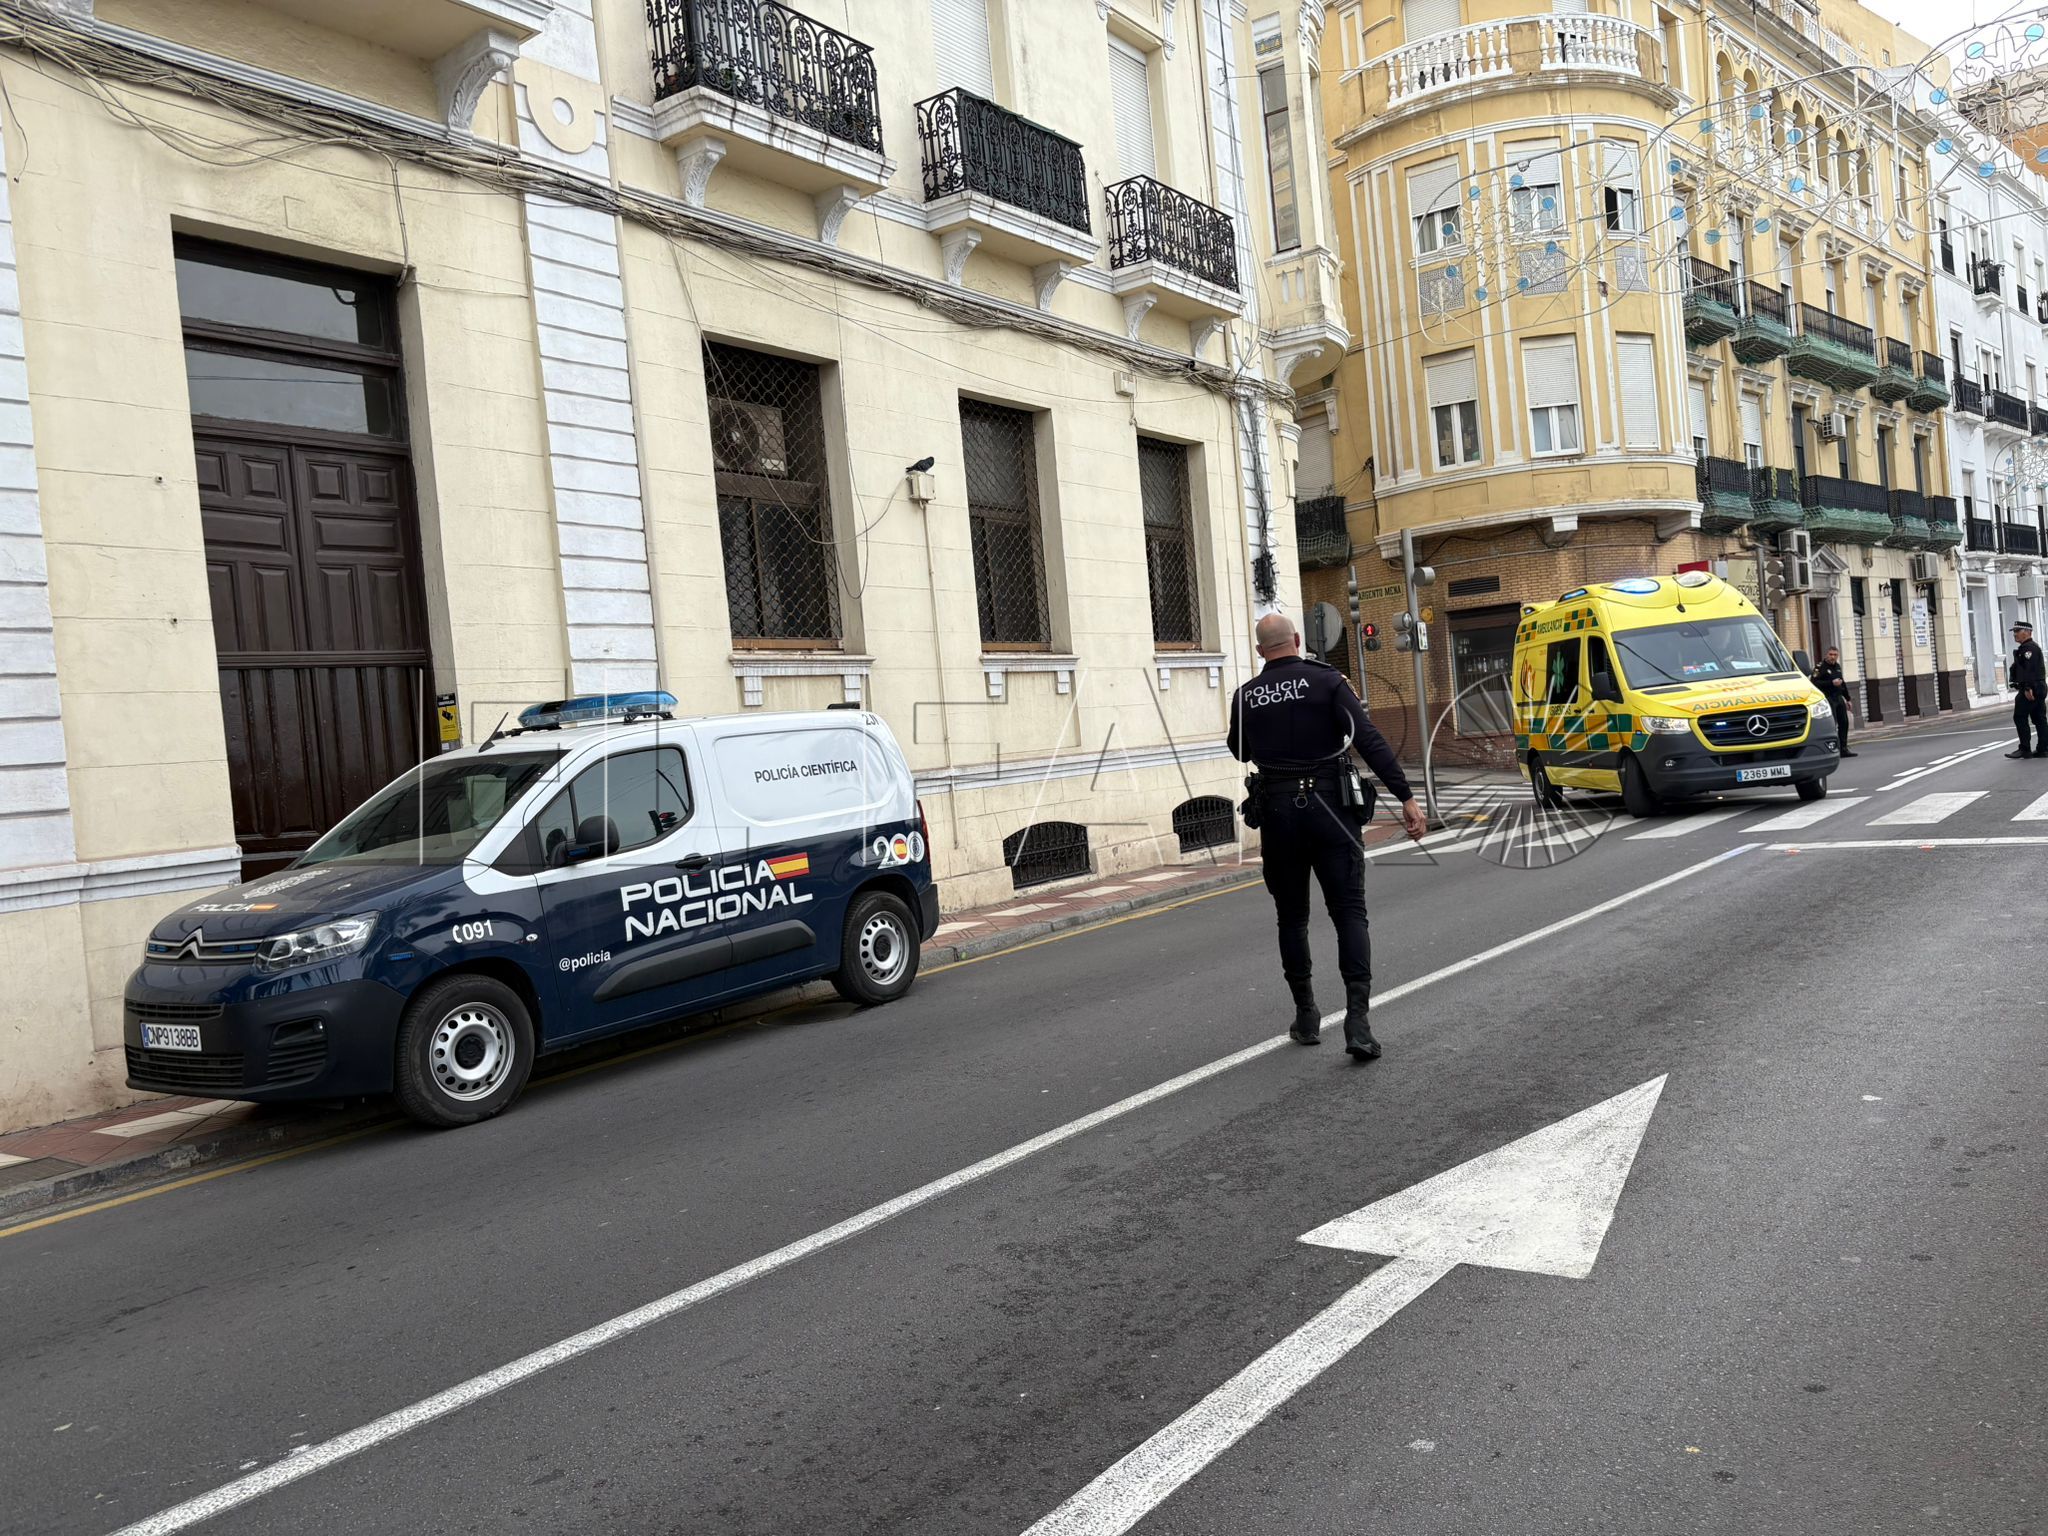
588, 708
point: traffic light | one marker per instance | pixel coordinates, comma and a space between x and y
1771, 572
1371, 633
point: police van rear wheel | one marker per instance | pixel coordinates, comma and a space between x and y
1637, 798
878, 952
465, 1050
1548, 795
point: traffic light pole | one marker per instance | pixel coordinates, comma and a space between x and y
1419, 644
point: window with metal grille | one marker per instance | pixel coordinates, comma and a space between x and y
1204, 822
1000, 455
1046, 850
1169, 541
774, 506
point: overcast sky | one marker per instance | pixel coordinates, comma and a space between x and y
1936, 21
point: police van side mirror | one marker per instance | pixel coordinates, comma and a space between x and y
1802, 661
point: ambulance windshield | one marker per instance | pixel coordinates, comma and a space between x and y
1705, 651
435, 814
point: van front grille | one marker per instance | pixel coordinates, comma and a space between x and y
1737, 728
184, 1071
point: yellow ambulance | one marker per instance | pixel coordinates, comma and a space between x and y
1662, 688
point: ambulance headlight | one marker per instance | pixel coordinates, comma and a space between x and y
1820, 709
1667, 725
310, 946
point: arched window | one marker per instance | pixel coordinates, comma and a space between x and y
1204, 822
1046, 850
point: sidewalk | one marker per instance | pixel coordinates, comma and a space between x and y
73, 1159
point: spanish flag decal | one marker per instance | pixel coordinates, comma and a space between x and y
790, 865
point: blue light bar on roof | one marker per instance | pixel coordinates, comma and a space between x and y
590, 707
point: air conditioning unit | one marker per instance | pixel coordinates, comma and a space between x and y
2029, 588
1832, 427
1926, 567
747, 439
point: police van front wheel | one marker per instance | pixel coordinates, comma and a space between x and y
877, 952
465, 1049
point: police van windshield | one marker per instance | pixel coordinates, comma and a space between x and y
433, 815
1702, 651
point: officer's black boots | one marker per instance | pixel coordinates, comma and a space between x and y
1307, 1028
1358, 1041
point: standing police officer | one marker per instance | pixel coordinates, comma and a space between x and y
2029, 679
1298, 723
1827, 677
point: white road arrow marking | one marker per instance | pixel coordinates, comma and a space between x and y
1541, 1204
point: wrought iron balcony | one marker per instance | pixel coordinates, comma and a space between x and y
2022, 539
1320, 535
2009, 410
1763, 333
1150, 221
1909, 520
1969, 397
1930, 390
2037, 421
972, 145
1986, 278
1831, 349
1944, 530
765, 55
1846, 511
1725, 487
1982, 534
1712, 304
1895, 377
1774, 500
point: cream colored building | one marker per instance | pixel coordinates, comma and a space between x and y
1636, 286
374, 366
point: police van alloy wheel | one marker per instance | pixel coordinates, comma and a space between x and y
1812, 789
465, 1049
1637, 798
878, 951
1548, 795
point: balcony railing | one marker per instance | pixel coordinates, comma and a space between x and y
1982, 534
1150, 221
768, 56
2037, 421
1930, 385
1850, 511
972, 145
1895, 379
1519, 45
1712, 303
2021, 539
1763, 332
1320, 534
1986, 278
1831, 349
1898, 355
1769, 303
2008, 410
1774, 500
1969, 397
1839, 329
1944, 530
1909, 520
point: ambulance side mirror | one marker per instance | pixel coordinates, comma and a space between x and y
1803, 662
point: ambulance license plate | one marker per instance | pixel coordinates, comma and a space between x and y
170, 1037
1768, 771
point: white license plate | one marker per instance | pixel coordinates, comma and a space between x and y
170, 1037
1768, 771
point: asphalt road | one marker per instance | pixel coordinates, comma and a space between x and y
1817, 1309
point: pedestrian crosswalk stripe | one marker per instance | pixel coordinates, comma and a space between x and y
1807, 815
1682, 825
1928, 809
2038, 811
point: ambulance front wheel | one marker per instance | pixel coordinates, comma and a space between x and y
1637, 798
1548, 796
1812, 789
465, 1049
877, 952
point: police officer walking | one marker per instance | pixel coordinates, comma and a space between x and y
1827, 677
1297, 723
2029, 679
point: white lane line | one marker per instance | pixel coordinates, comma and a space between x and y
2038, 811
1145, 1479
1916, 774
1913, 842
1807, 815
402, 1421
1691, 822
1928, 809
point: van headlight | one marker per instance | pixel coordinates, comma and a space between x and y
309, 946
1820, 709
1667, 725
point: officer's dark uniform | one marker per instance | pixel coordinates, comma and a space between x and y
2028, 674
1295, 722
1827, 677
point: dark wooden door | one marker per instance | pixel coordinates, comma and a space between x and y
313, 567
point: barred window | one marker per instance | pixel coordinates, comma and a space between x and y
1169, 540
1046, 850
1000, 454
774, 506
1204, 822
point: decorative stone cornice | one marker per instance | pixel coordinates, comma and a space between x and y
462, 73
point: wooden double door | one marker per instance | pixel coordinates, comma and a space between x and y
313, 565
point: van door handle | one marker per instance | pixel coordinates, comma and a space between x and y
694, 863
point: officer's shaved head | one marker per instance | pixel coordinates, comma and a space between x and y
1276, 635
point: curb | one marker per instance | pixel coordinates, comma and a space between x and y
240, 1143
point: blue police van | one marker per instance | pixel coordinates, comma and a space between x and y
603, 866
